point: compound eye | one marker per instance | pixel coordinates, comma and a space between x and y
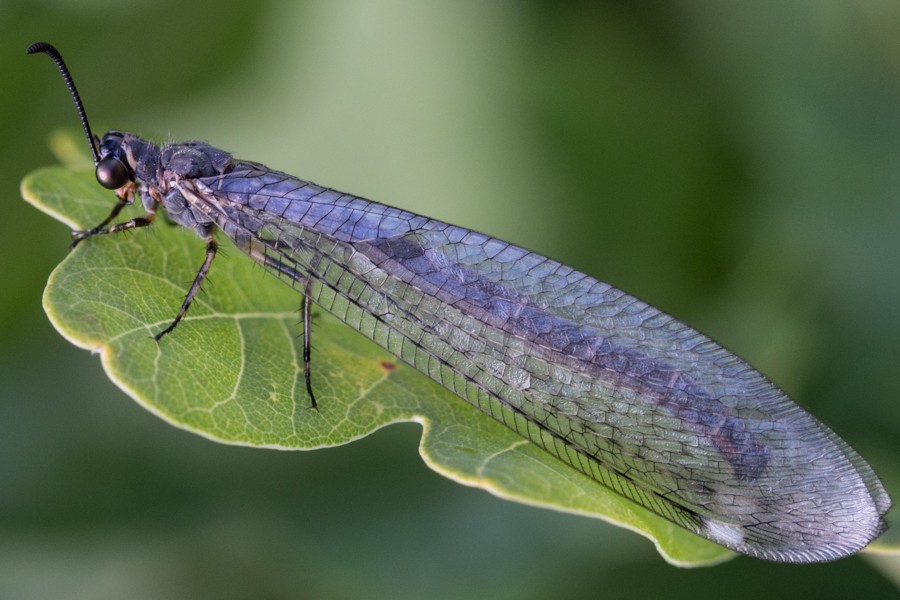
112, 173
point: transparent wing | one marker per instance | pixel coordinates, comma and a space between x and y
629, 396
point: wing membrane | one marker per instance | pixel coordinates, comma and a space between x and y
629, 396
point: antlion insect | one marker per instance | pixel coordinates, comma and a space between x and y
625, 394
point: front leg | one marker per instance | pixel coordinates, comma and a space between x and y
125, 196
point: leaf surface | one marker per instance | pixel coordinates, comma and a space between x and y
232, 370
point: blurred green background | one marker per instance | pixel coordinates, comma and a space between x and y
735, 165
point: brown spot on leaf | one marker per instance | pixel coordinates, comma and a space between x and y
387, 365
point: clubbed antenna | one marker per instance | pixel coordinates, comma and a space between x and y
61, 65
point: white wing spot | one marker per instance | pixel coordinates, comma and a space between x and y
729, 535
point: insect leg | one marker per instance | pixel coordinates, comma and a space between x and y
307, 341
125, 197
77, 236
211, 248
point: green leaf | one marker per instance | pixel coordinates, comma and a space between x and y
232, 370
